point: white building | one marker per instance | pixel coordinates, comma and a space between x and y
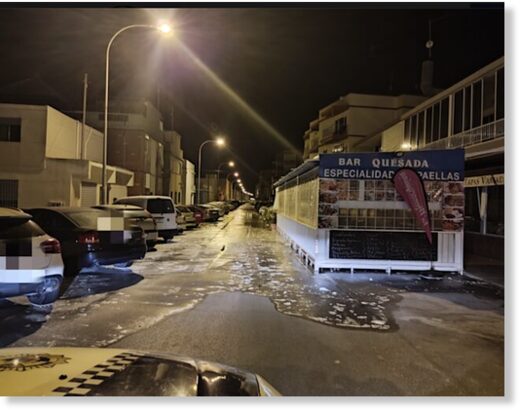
47, 158
469, 115
349, 121
189, 183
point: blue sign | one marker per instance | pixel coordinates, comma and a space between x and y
439, 165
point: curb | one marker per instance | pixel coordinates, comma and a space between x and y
482, 279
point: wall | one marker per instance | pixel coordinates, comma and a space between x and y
27, 155
189, 183
64, 138
393, 138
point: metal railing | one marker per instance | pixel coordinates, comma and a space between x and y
470, 137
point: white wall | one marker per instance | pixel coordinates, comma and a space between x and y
392, 138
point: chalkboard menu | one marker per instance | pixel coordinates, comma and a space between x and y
346, 244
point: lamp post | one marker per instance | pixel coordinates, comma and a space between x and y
164, 28
231, 163
219, 141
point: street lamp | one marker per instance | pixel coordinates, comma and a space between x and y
219, 141
163, 28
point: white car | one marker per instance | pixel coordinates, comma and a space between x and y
162, 209
30, 260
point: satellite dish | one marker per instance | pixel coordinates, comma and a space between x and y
429, 44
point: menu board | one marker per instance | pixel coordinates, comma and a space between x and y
356, 190
381, 245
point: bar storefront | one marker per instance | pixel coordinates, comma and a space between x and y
381, 211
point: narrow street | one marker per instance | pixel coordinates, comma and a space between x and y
233, 292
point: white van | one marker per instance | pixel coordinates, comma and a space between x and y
162, 209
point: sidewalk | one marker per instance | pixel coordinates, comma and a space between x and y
485, 269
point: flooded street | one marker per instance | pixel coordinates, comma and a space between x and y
235, 293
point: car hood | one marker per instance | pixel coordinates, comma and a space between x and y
119, 372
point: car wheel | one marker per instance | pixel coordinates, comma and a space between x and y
47, 292
167, 238
124, 264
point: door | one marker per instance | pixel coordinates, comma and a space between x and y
88, 194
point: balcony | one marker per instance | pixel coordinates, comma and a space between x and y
470, 137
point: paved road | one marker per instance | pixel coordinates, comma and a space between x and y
232, 292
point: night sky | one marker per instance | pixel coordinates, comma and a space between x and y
285, 63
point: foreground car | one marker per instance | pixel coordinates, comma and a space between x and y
117, 372
91, 237
30, 260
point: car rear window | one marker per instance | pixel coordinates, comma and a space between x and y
19, 229
87, 218
160, 206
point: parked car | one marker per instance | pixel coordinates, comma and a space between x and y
221, 210
136, 215
181, 221
162, 209
198, 214
189, 218
76, 371
91, 237
30, 259
221, 205
211, 214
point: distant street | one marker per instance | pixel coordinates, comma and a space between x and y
233, 292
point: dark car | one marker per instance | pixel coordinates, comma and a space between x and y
136, 215
91, 237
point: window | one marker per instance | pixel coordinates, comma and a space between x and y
429, 130
500, 94
457, 113
488, 100
471, 210
467, 108
8, 193
340, 126
413, 132
444, 119
10, 129
436, 121
477, 104
407, 131
420, 130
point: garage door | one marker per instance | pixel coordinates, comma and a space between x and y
88, 194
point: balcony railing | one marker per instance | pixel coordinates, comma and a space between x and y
470, 137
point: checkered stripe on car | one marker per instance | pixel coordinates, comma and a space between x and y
82, 384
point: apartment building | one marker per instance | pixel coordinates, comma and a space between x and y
469, 115
346, 123
49, 159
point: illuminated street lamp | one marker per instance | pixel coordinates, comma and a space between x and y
163, 28
219, 141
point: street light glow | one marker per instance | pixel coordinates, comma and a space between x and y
231, 163
235, 174
406, 146
239, 181
164, 28
220, 141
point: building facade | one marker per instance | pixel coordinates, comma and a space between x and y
348, 122
48, 158
469, 115
138, 141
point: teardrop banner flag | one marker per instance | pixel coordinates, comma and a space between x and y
409, 185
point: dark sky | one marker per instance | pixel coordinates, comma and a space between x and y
286, 63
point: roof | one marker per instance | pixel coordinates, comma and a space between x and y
11, 212
303, 168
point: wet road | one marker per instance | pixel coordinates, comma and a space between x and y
233, 292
